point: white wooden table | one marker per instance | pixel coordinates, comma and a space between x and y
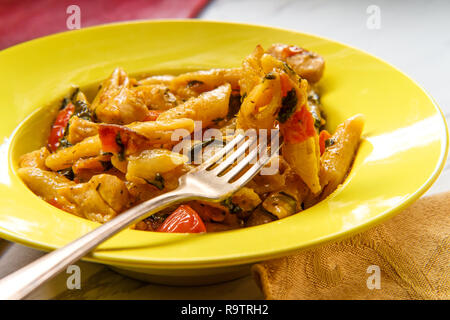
412, 35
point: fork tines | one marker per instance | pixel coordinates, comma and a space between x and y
245, 151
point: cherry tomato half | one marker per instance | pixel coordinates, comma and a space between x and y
299, 127
183, 220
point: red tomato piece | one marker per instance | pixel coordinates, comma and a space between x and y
183, 220
323, 136
299, 127
110, 138
59, 126
285, 84
292, 51
121, 140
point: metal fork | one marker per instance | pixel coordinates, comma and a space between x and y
212, 180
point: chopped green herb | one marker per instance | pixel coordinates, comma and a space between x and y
106, 165
193, 83
82, 111
288, 68
121, 154
270, 76
234, 105
74, 94
68, 173
158, 182
169, 97
314, 98
107, 153
243, 96
317, 123
288, 105
232, 207
317, 120
64, 143
329, 142
217, 120
156, 219
64, 103
94, 115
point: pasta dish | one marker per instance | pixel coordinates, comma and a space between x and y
134, 138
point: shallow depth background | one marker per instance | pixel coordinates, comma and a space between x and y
412, 35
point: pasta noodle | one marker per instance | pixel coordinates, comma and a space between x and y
338, 157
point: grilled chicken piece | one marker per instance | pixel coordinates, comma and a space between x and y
35, 159
306, 64
47, 185
79, 129
100, 199
117, 103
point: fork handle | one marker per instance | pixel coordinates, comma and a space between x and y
20, 283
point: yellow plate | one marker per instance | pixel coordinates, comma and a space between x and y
403, 151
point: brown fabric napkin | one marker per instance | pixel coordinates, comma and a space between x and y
411, 251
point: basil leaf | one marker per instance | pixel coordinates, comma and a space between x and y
288, 105
158, 182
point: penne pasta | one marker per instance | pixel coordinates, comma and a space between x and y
207, 107
338, 157
193, 83
149, 165
65, 158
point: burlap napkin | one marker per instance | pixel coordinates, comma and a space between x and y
406, 257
